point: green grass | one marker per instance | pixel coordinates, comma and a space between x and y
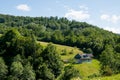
114, 77
0, 35
68, 49
88, 69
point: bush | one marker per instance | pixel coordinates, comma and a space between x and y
64, 52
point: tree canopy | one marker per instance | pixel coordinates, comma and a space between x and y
18, 45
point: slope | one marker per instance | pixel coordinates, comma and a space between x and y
86, 69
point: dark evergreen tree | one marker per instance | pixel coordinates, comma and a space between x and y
52, 60
3, 69
69, 73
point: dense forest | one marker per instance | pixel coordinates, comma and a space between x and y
21, 57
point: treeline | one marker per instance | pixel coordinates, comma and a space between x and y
61, 31
22, 58
87, 37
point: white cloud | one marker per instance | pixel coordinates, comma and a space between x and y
79, 15
113, 29
110, 18
23, 7
105, 17
115, 18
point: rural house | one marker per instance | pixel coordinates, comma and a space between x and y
79, 58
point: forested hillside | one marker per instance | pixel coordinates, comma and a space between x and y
60, 31
87, 37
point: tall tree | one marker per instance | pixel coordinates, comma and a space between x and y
52, 60
3, 69
28, 72
107, 60
69, 73
16, 70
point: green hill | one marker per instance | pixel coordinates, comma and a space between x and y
60, 31
79, 35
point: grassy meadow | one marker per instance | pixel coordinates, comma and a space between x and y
70, 51
113, 77
86, 69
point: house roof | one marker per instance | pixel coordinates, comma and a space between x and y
90, 55
86, 58
83, 56
77, 56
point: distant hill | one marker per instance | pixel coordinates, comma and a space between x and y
88, 37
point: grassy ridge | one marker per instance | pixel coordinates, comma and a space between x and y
68, 49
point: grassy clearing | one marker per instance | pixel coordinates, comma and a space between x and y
88, 69
70, 51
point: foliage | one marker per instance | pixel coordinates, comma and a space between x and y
87, 37
61, 31
16, 70
28, 72
70, 72
52, 59
44, 73
26, 60
109, 61
3, 69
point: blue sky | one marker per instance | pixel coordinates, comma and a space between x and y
102, 13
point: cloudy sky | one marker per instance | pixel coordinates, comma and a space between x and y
102, 13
